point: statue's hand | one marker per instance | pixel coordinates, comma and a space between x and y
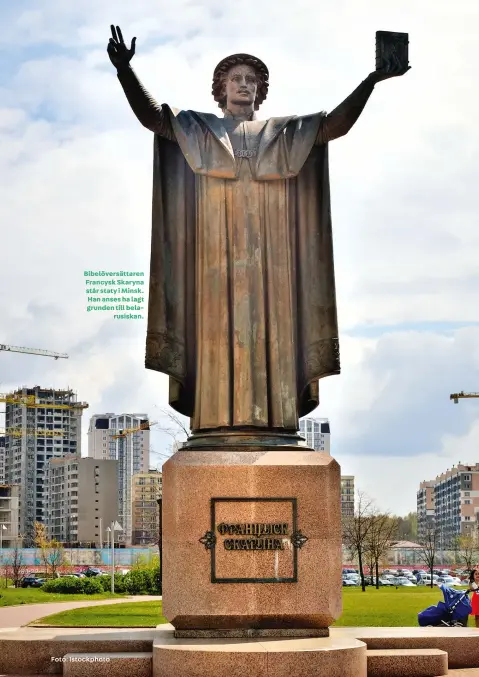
119, 54
391, 69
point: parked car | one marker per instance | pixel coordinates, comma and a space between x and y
33, 582
426, 580
349, 581
93, 571
402, 580
74, 575
448, 580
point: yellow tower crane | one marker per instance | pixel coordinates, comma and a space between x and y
130, 431
462, 396
36, 432
30, 402
32, 351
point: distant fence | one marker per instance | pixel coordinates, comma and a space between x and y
82, 556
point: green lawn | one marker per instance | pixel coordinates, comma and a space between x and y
386, 607
381, 607
129, 614
15, 596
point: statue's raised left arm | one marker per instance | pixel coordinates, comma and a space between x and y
343, 117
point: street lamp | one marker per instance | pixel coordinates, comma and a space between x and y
114, 527
108, 538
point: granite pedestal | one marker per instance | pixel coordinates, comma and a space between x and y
251, 543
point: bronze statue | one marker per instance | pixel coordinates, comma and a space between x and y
242, 305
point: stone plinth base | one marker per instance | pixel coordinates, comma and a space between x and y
257, 658
251, 541
250, 634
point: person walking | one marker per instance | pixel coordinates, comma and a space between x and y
474, 588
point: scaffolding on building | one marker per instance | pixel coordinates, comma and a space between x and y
30, 400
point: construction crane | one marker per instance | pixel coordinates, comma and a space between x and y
130, 431
462, 396
33, 351
37, 432
30, 402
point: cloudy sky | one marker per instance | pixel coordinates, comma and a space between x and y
75, 194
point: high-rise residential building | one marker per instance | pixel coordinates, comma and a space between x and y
3, 442
82, 500
347, 496
9, 515
426, 511
124, 438
146, 490
45, 423
450, 504
317, 433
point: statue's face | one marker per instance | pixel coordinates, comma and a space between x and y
240, 86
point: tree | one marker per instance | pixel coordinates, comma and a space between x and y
15, 567
41, 541
173, 424
382, 530
52, 552
407, 527
468, 550
55, 557
356, 530
429, 549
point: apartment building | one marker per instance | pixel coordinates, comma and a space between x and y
426, 511
316, 432
146, 490
124, 438
450, 503
3, 443
9, 515
41, 423
82, 500
347, 495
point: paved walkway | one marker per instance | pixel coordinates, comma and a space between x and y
16, 616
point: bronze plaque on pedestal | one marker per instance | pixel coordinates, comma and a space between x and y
254, 540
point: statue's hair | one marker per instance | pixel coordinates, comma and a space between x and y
225, 65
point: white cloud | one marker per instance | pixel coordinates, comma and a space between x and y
75, 193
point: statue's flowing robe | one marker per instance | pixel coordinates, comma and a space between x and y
242, 305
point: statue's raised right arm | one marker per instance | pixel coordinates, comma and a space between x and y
144, 106
343, 117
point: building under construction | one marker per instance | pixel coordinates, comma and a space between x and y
40, 424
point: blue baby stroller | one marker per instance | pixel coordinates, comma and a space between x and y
453, 612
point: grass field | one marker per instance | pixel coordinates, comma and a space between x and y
129, 614
381, 607
386, 607
15, 596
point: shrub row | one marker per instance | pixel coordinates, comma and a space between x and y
141, 581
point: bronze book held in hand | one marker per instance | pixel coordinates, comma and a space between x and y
392, 49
